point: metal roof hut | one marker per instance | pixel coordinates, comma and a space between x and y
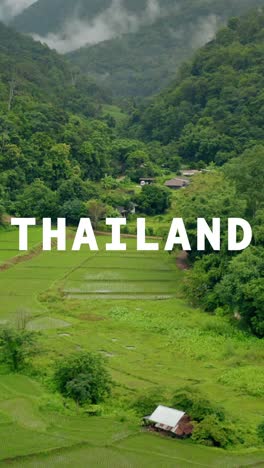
190, 172
176, 423
147, 181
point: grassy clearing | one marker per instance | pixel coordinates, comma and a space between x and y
147, 344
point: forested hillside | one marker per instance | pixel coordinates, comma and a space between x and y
57, 136
44, 103
213, 113
87, 338
134, 48
62, 146
29, 69
215, 108
49, 16
143, 63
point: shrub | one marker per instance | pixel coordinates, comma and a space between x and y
213, 432
16, 347
153, 200
195, 405
83, 378
260, 431
145, 404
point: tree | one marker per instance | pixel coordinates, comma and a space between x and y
195, 404
213, 432
96, 211
83, 377
2, 212
153, 200
260, 431
203, 142
75, 188
37, 200
242, 288
57, 167
247, 172
73, 210
16, 347
146, 403
12, 89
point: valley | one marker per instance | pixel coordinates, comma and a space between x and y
129, 308
160, 120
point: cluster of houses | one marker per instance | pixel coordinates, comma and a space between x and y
175, 183
169, 421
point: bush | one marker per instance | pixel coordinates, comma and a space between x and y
83, 378
73, 210
213, 432
153, 200
16, 347
195, 405
260, 431
145, 404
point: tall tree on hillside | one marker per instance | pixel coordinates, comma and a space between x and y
247, 172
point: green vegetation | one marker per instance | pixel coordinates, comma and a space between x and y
141, 57
212, 115
153, 200
16, 347
83, 378
213, 110
57, 139
119, 333
107, 304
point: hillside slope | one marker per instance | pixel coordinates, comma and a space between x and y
49, 16
215, 108
46, 108
143, 63
135, 48
29, 69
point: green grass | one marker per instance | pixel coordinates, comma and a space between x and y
115, 112
9, 243
108, 303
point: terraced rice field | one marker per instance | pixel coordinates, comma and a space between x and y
128, 275
82, 275
126, 307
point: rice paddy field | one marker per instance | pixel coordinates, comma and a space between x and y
127, 306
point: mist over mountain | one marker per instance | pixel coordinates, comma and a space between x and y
114, 21
10, 8
68, 25
134, 47
142, 63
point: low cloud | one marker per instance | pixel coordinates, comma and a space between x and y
113, 22
10, 8
206, 29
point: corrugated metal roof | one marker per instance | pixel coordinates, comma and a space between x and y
167, 416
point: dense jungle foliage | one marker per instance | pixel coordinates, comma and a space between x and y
213, 114
63, 154
214, 110
142, 58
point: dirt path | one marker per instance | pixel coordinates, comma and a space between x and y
21, 258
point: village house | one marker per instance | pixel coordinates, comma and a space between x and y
176, 184
189, 172
125, 211
171, 421
147, 181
